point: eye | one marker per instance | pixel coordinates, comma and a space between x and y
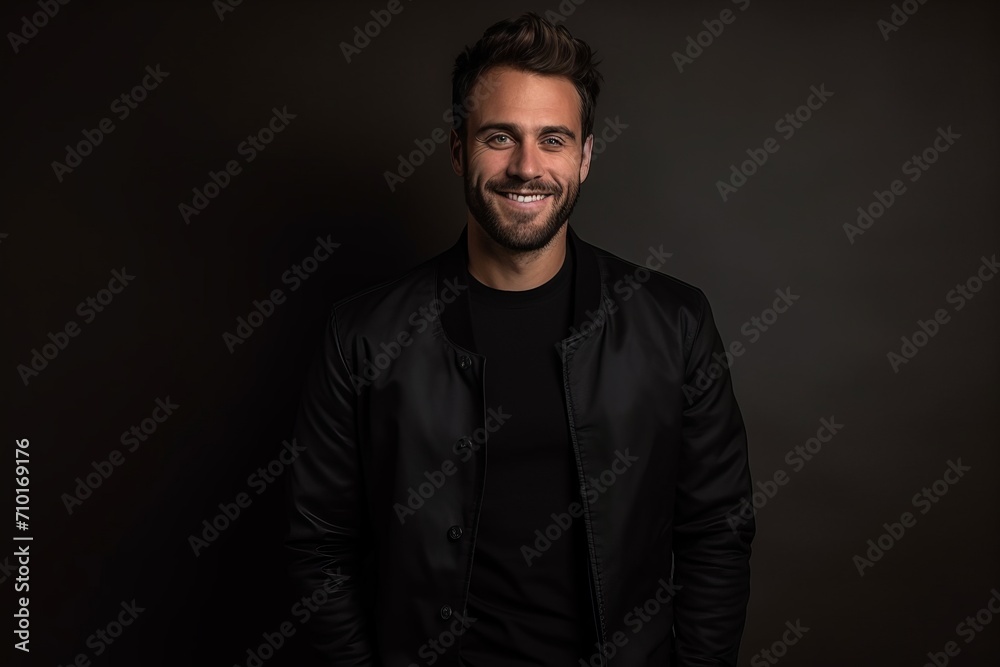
557, 140
496, 137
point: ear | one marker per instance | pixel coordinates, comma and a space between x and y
457, 154
588, 147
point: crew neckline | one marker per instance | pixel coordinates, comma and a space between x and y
555, 286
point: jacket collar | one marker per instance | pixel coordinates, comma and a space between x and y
588, 289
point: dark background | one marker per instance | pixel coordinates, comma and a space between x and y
653, 185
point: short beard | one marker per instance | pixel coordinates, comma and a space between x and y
513, 231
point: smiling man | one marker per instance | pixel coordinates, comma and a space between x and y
539, 473
522, 161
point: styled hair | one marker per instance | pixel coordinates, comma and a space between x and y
528, 43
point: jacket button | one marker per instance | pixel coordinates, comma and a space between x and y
454, 532
464, 361
463, 442
446, 612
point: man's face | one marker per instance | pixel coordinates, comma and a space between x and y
523, 137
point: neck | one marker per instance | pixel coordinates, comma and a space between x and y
504, 269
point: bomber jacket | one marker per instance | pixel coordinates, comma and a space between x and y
384, 501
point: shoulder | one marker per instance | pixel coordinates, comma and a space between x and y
649, 281
383, 308
650, 295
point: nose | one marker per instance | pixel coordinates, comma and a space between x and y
525, 162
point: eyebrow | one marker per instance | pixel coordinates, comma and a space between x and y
513, 128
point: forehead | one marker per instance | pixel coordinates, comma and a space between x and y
503, 94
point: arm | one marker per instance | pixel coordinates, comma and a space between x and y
326, 541
711, 553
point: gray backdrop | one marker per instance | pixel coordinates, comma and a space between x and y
892, 335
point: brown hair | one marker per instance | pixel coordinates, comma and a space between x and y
528, 43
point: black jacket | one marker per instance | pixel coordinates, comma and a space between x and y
384, 500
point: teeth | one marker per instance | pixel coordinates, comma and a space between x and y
523, 199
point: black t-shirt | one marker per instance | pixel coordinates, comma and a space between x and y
537, 614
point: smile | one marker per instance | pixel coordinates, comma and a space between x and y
525, 199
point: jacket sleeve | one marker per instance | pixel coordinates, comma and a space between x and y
712, 537
326, 540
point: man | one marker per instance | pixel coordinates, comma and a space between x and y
525, 450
